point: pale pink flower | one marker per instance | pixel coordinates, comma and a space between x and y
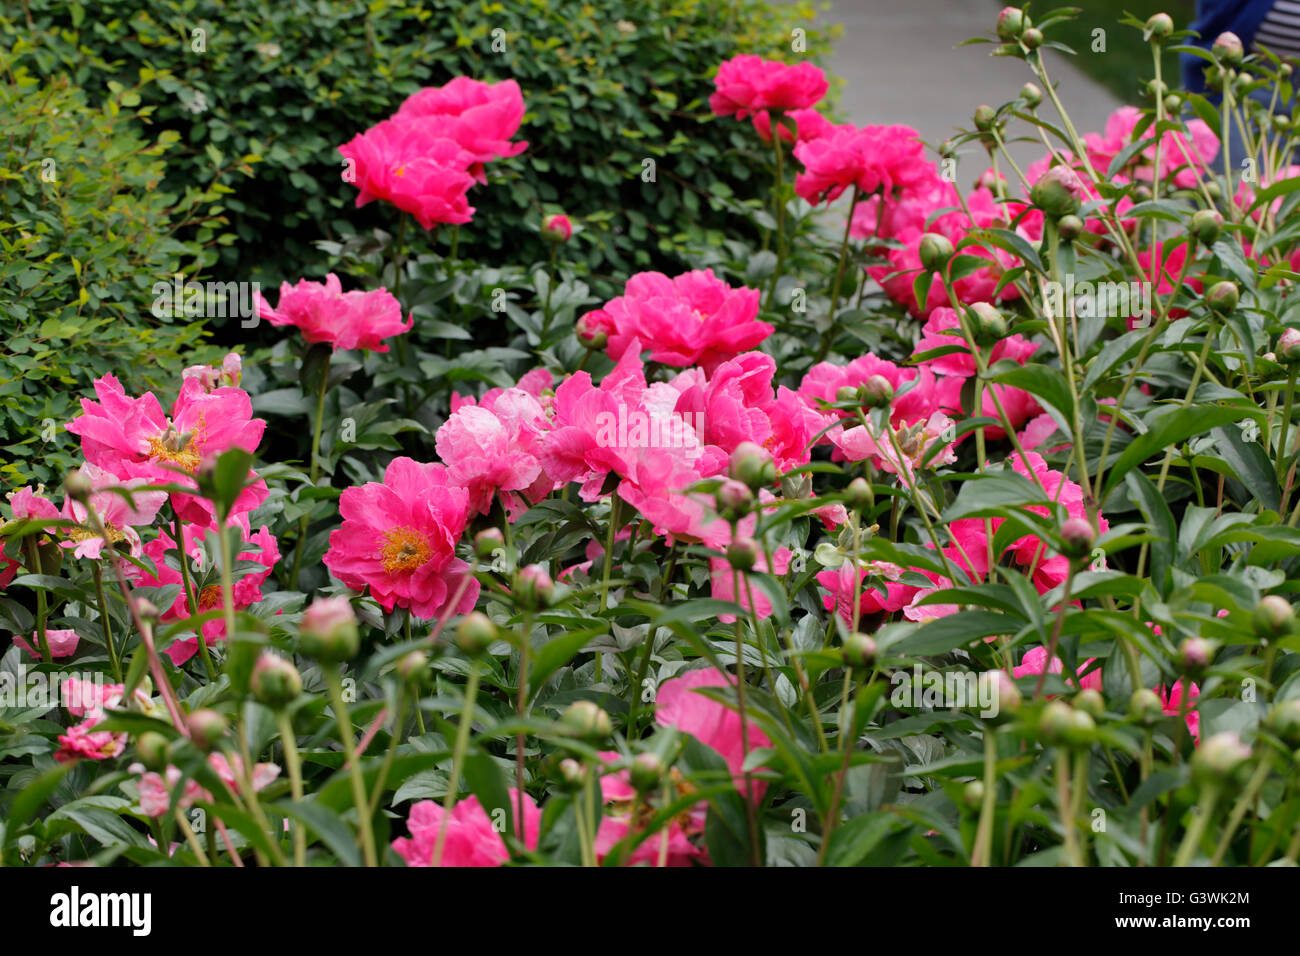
323, 312
472, 836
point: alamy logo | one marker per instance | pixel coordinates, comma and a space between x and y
954, 690
212, 300
75, 909
23, 689
1105, 300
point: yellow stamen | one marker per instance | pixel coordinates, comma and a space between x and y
405, 549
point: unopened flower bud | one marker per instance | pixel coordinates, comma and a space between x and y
328, 632
1032, 38
1206, 226
1011, 22
858, 494
646, 772
594, 328
1228, 49
145, 609
275, 681
1055, 721
571, 773
534, 587
1077, 538
973, 793
984, 118
876, 392
1222, 297
557, 228
586, 721
487, 541
1273, 617
1288, 345
1090, 702
733, 498
206, 728
475, 634
1070, 228
1145, 705
752, 464
1083, 729
151, 748
413, 667
1195, 654
742, 554
1173, 104
935, 251
1284, 721
859, 650
1160, 25
1058, 192
989, 327
1217, 759
78, 486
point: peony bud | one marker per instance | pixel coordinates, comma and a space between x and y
586, 721
1218, 758
733, 498
206, 728
646, 772
1145, 705
752, 464
77, 486
984, 118
571, 774
475, 634
1011, 22
876, 392
859, 650
1160, 25
742, 554
1227, 48
1195, 654
1206, 225
533, 586
1222, 297
557, 228
1055, 722
328, 631
594, 328
989, 326
413, 668
1083, 729
1070, 228
935, 251
1284, 720
275, 681
1090, 702
1274, 617
973, 793
1032, 38
487, 541
845, 394
858, 495
1077, 539
151, 748
1058, 192
1288, 345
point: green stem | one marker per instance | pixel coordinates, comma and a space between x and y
191, 599
1200, 820
314, 472
291, 758
344, 720
34, 560
457, 759
113, 661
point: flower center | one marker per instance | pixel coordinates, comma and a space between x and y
82, 534
405, 549
210, 597
175, 449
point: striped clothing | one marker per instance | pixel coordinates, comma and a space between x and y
1280, 31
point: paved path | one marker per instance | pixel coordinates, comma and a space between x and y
900, 63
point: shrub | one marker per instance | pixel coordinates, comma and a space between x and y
274, 89
86, 230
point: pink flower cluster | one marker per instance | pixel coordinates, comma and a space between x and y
425, 158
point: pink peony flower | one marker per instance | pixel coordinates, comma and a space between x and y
63, 643
496, 448
693, 319
228, 374
711, 723
557, 228
673, 843
890, 159
346, 320
399, 539
132, 438
479, 117
808, 123
748, 83
83, 740
1172, 698
879, 586
472, 836
410, 164
119, 517
1032, 664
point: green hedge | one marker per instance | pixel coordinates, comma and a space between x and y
86, 232
262, 93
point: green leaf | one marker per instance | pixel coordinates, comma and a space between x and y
1171, 428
